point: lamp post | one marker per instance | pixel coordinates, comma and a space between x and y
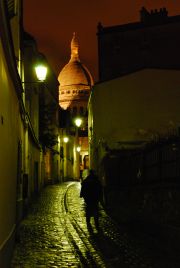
78, 123
65, 162
32, 118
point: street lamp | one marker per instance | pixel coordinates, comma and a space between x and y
41, 72
65, 139
65, 156
31, 102
78, 123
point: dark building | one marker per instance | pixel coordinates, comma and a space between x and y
153, 42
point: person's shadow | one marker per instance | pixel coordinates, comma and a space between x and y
103, 243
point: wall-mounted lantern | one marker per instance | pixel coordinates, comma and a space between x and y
41, 72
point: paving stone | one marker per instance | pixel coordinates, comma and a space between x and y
54, 234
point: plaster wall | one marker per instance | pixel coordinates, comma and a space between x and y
10, 125
136, 107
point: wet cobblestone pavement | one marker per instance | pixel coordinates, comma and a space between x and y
54, 234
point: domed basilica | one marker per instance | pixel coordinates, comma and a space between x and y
75, 82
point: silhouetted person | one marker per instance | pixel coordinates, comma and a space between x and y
91, 191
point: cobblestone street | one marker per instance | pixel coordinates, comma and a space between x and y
54, 234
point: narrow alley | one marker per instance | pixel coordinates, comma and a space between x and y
54, 234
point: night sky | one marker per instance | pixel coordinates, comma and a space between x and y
52, 24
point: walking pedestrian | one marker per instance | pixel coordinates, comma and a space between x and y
91, 191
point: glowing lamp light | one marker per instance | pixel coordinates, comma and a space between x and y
78, 122
78, 148
41, 72
66, 139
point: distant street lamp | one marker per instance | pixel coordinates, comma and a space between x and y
65, 157
78, 123
65, 139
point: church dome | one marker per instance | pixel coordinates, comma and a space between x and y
75, 82
74, 72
